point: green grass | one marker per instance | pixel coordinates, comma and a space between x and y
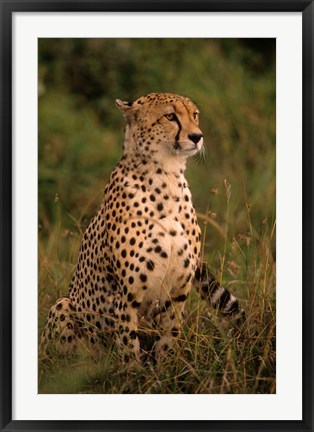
233, 189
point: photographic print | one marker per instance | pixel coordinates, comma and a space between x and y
157, 216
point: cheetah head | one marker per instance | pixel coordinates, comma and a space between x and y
162, 125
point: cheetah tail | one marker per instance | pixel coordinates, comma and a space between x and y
216, 295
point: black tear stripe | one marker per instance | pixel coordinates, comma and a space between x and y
177, 145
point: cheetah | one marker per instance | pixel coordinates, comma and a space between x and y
141, 252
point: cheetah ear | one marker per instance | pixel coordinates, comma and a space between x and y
123, 106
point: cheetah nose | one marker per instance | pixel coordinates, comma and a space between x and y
195, 137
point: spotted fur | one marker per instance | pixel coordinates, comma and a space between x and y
140, 253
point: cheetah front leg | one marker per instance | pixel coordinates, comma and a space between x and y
170, 321
127, 325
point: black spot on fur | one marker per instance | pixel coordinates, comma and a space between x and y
150, 265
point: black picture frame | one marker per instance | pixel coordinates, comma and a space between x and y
7, 9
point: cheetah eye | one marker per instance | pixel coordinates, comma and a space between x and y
171, 116
195, 115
